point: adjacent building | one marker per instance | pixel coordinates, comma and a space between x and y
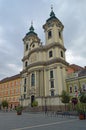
10, 90
76, 82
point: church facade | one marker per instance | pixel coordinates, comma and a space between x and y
44, 66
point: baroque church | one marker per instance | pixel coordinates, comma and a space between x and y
44, 66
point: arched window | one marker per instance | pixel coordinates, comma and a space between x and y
60, 35
33, 80
70, 89
61, 53
50, 54
26, 63
75, 88
83, 87
26, 47
50, 34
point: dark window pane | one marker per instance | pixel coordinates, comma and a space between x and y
24, 88
25, 81
51, 74
52, 84
59, 34
52, 92
26, 63
61, 54
50, 54
49, 34
33, 80
26, 47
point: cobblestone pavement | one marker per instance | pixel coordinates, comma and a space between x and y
39, 121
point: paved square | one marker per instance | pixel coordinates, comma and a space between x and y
27, 121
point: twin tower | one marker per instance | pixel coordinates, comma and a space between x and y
44, 66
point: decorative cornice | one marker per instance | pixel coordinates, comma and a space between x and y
45, 63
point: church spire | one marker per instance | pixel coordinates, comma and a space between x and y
31, 28
52, 14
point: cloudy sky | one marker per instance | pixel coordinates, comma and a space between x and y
15, 20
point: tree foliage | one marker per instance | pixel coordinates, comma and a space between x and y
83, 98
65, 98
35, 103
5, 103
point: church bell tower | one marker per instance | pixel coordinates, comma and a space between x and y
53, 29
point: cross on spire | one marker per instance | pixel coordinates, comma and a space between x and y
51, 7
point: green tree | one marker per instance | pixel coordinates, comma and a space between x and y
65, 98
83, 98
4, 103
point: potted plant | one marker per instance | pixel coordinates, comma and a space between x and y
82, 99
81, 110
19, 110
35, 103
34, 106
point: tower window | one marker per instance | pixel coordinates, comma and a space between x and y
50, 53
33, 45
26, 63
33, 80
26, 47
60, 34
61, 54
49, 34
51, 74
